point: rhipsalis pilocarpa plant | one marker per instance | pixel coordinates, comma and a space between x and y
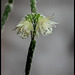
31, 24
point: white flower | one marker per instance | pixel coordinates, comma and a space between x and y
24, 29
42, 24
45, 26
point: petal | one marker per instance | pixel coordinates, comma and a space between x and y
52, 22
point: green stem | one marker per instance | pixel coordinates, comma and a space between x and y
33, 6
33, 42
30, 56
6, 12
10, 1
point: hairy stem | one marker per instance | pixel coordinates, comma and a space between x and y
30, 56
33, 42
33, 6
6, 12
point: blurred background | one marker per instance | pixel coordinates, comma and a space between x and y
54, 54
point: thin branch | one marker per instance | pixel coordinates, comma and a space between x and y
6, 12
33, 42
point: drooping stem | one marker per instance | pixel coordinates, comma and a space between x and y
33, 42
6, 12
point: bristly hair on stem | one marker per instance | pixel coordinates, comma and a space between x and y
33, 42
33, 6
6, 12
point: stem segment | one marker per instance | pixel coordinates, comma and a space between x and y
33, 6
30, 56
6, 12
33, 42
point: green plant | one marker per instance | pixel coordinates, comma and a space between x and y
7, 10
32, 24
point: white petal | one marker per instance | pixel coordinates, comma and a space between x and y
52, 22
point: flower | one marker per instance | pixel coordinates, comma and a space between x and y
35, 23
24, 29
45, 25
